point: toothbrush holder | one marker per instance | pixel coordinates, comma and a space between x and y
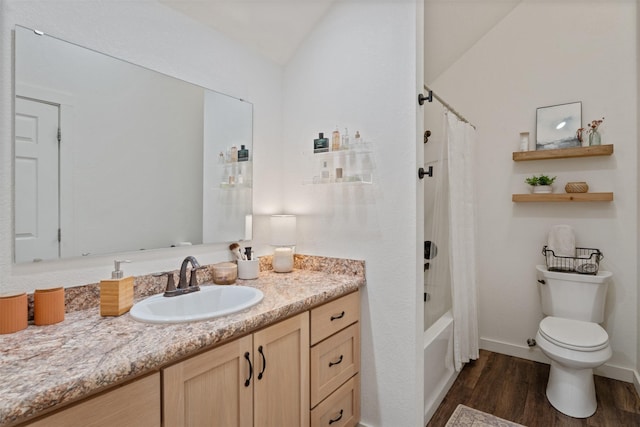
248, 269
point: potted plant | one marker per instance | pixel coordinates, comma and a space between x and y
540, 184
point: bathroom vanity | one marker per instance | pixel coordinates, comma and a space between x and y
292, 359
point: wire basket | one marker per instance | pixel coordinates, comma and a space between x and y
586, 261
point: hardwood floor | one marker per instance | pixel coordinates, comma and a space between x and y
514, 389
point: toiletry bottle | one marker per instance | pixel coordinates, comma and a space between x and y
335, 140
116, 295
321, 144
243, 154
357, 142
234, 154
240, 178
324, 173
357, 138
345, 139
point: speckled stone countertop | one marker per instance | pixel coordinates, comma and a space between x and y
45, 366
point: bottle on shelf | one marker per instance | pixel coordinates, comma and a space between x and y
243, 154
321, 144
335, 140
345, 140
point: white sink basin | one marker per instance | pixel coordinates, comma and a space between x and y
209, 302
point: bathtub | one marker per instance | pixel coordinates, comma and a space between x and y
439, 372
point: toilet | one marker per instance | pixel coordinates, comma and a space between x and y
570, 335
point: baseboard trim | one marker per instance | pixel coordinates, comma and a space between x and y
534, 353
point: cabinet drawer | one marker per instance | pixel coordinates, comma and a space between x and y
333, 316
333, 361
340, 409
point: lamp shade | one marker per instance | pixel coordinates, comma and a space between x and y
283, 230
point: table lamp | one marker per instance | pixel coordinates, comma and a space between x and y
283, 237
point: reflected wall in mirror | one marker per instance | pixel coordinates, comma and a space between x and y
113, 157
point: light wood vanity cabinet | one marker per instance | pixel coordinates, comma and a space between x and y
335, 363
134, 404
299, 372
258, 380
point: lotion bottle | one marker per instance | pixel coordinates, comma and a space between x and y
116, 295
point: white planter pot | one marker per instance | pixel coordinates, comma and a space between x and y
541, 189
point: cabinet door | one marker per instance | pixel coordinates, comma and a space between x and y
133, 404
211, 389
281, 388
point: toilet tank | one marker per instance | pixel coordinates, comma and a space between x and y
572, 295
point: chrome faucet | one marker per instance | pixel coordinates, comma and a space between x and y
183, 286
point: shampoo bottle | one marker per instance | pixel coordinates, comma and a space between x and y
116, 295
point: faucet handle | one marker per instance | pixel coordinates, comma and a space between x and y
171, 286
193, 279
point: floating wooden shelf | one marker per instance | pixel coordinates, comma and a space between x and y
563, 197
564, 153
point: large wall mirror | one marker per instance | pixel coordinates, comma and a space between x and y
113, 157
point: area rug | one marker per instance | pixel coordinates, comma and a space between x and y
464, 416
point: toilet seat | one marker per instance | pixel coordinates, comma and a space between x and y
574, 334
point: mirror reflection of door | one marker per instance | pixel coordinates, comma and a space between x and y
36, 181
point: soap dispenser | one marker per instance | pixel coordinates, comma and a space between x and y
116, 295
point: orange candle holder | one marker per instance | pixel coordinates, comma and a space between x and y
48, 306
13, 313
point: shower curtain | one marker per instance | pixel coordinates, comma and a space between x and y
460, 141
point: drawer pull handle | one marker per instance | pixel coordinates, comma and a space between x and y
248, 381
264, 363
337, 316
336, 363
338, 418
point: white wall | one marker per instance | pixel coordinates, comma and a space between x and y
158, 38
586, 52
637, 375
358, 69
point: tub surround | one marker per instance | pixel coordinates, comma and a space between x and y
46, 366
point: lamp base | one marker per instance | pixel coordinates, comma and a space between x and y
283, 260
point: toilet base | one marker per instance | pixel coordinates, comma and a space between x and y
572, 391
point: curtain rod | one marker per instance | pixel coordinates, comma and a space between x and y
432, 95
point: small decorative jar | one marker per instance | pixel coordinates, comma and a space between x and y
576, 187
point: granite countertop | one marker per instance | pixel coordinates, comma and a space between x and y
45, 366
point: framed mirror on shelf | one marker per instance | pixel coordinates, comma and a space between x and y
113, 157
557, 126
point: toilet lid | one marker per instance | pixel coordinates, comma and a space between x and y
574, 334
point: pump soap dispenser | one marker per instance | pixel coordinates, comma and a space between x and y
116, 295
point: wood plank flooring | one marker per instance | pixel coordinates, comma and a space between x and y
514, 389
